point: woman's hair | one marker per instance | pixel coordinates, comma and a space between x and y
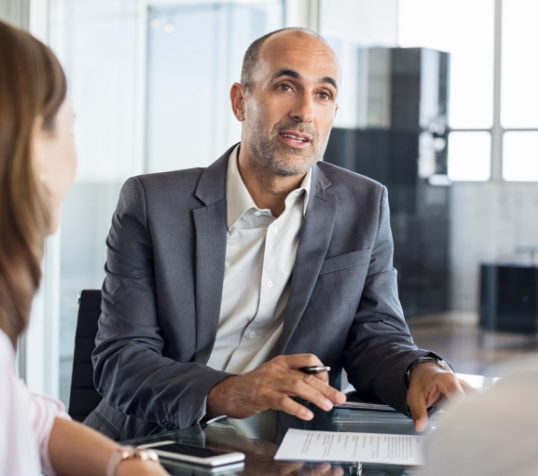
32, 86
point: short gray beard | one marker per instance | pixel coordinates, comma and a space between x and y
268, 153
268, 157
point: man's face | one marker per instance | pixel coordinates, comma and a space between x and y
289, 114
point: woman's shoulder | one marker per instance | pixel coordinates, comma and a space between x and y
15, 426
9, 383
13, 392
7, 354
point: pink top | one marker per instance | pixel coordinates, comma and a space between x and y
26, 420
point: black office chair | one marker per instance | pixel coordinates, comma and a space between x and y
84, 397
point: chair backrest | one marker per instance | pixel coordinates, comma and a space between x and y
84, 397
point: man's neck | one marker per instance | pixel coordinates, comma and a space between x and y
267, 189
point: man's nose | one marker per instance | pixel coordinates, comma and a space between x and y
303, 109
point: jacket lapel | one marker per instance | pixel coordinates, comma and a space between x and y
210, 226
313, 244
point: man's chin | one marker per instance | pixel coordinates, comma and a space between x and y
292, 169
288, 161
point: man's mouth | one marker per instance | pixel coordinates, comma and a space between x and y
296, 139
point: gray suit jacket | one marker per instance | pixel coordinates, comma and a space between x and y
163, 288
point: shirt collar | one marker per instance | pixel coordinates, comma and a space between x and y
238, 199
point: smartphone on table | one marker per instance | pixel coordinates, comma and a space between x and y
198, 455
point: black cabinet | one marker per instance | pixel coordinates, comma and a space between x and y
509, 298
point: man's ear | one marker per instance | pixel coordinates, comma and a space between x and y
238, 95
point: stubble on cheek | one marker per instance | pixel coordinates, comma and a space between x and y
276, 157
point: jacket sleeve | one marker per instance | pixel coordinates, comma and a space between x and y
130, 370
380, 348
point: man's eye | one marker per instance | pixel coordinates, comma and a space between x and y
324, 96
284, 87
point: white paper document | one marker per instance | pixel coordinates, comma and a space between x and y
304, 445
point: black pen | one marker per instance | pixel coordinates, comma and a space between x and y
318, 369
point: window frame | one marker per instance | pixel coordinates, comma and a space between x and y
496, 130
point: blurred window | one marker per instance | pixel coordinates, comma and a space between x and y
150, 88
470, 32
469, 156
520, 156
466, 30
195, 52
519, 94
519, 106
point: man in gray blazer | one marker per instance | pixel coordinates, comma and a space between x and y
222, 283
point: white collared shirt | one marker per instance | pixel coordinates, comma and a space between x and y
260, 255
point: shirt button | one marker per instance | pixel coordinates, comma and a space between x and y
257, 214
252, 335
269, 284
274, 228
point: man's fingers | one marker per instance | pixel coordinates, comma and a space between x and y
270, 386
329, 392
318, 470
298, 361
289, 468
323, 377
302, 387
309, 388
279, 401
451, 387
318, 382
322, 470
337, 471
466, 387
419, 411
427, 388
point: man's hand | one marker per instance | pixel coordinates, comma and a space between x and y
270, 386
428, 384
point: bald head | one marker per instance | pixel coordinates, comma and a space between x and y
287, 102
252, 55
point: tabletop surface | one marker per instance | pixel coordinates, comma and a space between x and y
259, 452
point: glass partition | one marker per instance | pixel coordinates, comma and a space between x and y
149, 83
97, 43
195, 51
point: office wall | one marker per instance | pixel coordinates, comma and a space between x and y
489, 220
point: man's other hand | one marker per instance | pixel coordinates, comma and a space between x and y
428, 384
270, 386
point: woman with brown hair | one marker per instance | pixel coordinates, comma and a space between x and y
37, 166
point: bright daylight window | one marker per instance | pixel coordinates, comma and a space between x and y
469, 155
520, 156
432, 24
519, 80
465, 30
519, 94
